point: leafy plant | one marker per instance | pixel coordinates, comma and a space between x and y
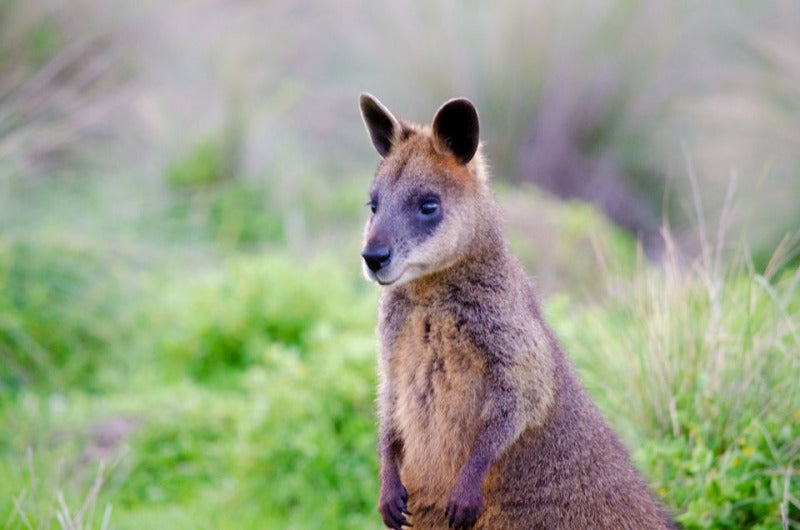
60, 307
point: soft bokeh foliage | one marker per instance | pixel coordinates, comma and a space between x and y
185, 341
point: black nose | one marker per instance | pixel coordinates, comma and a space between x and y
376, 257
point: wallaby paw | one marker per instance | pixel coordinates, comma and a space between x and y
464, 508
393, 508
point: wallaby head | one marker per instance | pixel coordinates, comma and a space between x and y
428, 192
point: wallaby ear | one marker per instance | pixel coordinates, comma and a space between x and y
455, 127
381, 124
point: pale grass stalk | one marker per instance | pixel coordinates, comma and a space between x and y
80, 520
62, 513
91, 498
18, 511
106, 517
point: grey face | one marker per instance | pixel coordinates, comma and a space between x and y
401, 220
423, 196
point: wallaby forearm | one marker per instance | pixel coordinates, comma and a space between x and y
497, 434
389, 449
393, 496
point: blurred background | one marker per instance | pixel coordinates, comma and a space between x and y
185, 340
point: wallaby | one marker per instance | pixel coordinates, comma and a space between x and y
482, 422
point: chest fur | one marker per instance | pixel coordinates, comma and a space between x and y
439, 380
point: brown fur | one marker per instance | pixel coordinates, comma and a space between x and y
479, 409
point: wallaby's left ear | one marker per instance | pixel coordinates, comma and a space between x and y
455, 127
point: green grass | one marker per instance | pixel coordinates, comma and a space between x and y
240, 394
59, 311
250, 393
696, 364
185, 341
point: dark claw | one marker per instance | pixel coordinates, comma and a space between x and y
390, 517
463, 517
401, 505
394, 510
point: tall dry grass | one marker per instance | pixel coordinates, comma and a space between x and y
696, 361
62, 84
35, 508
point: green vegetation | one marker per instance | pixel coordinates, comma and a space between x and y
55, 301
240, 394
185, 339
250, 393
697, 366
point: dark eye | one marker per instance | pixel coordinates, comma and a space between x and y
373, 205
429, 206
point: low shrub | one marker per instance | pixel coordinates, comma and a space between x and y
61, 306
222, 320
